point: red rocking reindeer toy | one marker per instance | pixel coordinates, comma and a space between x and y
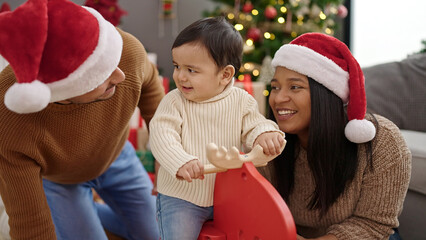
246, 205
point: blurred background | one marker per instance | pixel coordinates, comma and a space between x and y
376, 31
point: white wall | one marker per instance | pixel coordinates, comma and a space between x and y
386, 30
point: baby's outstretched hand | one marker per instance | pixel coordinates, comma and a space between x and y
191, 170
271, 142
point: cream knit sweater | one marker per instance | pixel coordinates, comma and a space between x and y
181, 129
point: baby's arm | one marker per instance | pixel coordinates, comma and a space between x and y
271, 142
191, 170
165, 135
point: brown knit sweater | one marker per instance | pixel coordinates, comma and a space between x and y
68, 143
371, 204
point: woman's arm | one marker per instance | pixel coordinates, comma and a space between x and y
383, 188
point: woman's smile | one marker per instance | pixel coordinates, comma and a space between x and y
285, 114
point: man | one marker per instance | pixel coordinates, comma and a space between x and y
4, 226
72, 85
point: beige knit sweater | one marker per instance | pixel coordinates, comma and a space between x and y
181, 129
370, 206
68, 143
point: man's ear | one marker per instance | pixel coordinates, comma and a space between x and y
227, 74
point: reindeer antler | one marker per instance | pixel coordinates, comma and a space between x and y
222, 159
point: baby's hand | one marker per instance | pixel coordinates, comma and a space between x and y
271, 142
191, 170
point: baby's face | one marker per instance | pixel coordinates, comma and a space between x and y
196, 75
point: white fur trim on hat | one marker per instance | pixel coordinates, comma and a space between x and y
27, 97
97, 67
312, 64
360, 131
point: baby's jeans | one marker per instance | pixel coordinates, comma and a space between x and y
179, 219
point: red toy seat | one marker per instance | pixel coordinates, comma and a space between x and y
247, 206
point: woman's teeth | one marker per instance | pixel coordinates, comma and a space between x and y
286, 112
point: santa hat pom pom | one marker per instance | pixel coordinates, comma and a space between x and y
27, 97
360, 131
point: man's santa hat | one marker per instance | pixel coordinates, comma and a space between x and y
3, 63
329, 62
4, 7
58, 50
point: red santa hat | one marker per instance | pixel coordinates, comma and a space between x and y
329, 62
58, 50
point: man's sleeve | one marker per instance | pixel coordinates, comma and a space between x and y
152, 90
23, 196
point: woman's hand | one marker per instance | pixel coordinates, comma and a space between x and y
191, 170
271, 142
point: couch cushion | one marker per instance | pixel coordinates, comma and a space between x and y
397, 91
416, 142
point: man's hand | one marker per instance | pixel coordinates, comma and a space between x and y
271, 142
191, 170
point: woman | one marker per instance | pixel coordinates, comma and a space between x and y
344, 175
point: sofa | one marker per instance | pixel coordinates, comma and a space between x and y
397, 91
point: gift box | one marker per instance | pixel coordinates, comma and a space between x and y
257, 90
138, 134
147, 160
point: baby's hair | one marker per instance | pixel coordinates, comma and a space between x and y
222, 41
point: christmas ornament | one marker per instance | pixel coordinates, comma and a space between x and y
247, 7
254, 34
342, 11
167, 12
270, 12
167, 6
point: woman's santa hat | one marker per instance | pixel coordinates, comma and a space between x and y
58, 50
329, 62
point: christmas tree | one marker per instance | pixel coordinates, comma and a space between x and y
109, 9
266, 25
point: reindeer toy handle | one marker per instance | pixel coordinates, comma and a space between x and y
221, 159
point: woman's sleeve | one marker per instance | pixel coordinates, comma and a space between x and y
383, 189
